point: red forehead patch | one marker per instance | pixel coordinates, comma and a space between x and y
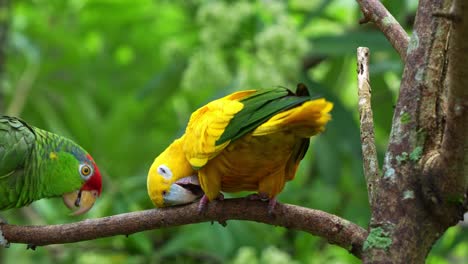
95, 182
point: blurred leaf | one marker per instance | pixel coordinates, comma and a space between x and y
348, 42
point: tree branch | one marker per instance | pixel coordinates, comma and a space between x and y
369, 152
401, 215
443, 116
333, 228
374, 11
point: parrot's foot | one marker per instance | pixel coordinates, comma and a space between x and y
3, 242
271, 205
264, 197
204, 202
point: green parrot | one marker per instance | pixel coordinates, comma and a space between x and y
36, 164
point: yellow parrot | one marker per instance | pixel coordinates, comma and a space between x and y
250, 140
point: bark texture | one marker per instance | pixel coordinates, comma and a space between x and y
419, 196
374, 11
366, 120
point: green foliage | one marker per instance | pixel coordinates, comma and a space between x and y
416, 154
402, 157
270, 255
378, 238
121, 79
405, 118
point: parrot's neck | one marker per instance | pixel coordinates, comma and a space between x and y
176, 153
33, 183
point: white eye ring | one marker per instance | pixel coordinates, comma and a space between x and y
86, 171
164, 171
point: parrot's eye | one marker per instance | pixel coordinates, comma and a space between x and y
85, 171
164, 171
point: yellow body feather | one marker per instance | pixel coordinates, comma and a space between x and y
262, 160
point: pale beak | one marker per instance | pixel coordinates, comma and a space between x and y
185, 190
81, 200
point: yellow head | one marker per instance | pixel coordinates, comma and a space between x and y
171, 180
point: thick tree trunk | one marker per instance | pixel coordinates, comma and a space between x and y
423, 187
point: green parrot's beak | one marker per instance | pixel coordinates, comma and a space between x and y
82, 201
183, 191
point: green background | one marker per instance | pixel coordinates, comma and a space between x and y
121, 78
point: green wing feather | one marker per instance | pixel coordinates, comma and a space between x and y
261, 106
16, 142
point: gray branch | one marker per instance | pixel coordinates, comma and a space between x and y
369, 151
374, 11
333, 228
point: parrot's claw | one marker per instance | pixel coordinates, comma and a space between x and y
271, 205
3, 242
204, 202
264, 197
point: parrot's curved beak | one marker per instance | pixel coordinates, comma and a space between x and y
82, 199
183, 191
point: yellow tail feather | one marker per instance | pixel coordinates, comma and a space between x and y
305, 120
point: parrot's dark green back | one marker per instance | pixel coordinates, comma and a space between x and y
261, 106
